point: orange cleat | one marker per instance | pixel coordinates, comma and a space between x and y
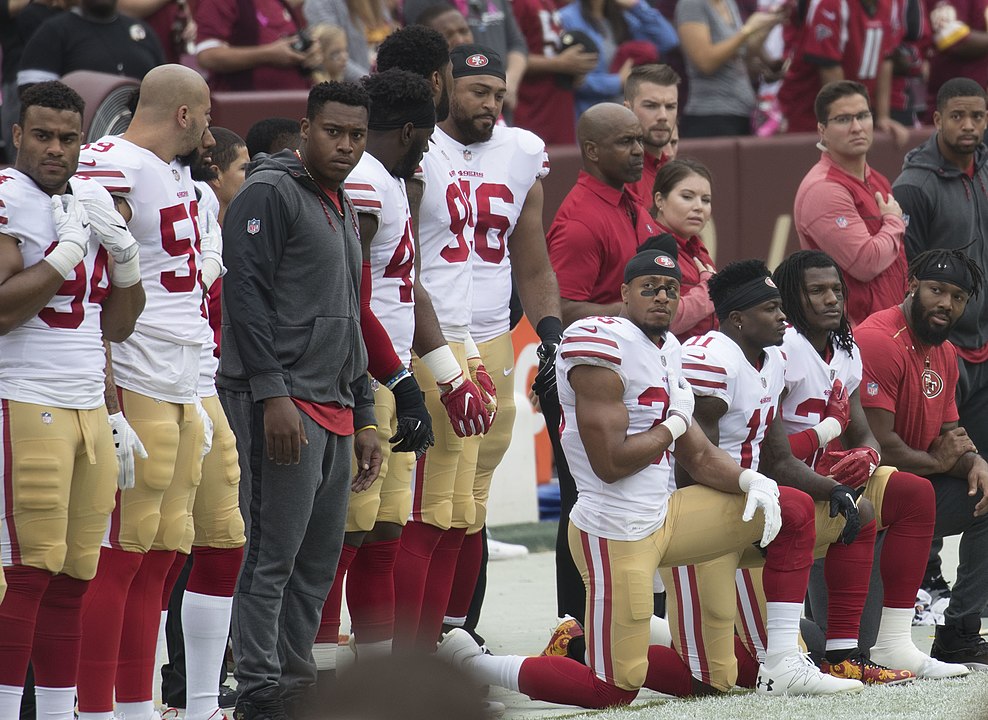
567, 629
858, 668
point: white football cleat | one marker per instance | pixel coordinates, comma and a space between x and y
797, 675
457, 647
921, 664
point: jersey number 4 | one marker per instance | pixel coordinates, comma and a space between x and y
76, 287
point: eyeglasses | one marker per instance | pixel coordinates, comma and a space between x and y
845, 120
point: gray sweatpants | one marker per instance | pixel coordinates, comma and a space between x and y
295, 516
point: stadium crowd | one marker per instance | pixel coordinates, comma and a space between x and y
242, 376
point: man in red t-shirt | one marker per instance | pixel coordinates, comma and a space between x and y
652, 93
960, 41
254, 51
909, 378
840, 40
846, 208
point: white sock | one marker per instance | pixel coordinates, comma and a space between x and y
841, 644
55, 703
373, 650
143, 710
160, 658
456, 622
500, 670
782, 627
96, 716
10, 701
894, 645
206, 624
325, 655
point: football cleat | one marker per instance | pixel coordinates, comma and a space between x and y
796, 674
264, 704
859, 668
457, 647
919, 663
494, 709
567, 629
961, 645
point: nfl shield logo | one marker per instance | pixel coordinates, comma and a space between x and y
872, 388
841, 222
253, 226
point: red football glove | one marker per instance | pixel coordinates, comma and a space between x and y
850, 467
482, 379
839, 405
464, 404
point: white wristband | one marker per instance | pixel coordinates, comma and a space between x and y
471, 347
126, 274
744, 481
64, 257
675, 425
211, 269
443, 365
828, 429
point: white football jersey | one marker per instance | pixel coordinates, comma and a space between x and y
56, 357
377, 192
635, 506
495, 176
161, 358
716, 367
208, 362
445, 241
809, 380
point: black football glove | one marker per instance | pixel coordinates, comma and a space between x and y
550, 331
414, 432
844, 501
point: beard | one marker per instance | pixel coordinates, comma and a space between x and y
408, 164
442, 109
470, 131
926, 332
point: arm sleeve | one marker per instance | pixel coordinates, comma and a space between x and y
882, 371
249, 286
652, 26
215, 20
42, 58
831, 221
363, 403
577, 257
382, 360
804, 443
823, 43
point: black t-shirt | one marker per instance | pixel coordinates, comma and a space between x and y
122, 46
16, 31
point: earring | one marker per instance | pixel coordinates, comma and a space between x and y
739, 326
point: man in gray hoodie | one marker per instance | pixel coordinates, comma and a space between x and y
293, 381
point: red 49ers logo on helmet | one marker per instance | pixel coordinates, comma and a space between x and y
477, 60
665, 261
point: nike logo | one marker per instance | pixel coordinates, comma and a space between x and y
828, 14
91, 163
507, 371
588, 329
700, 356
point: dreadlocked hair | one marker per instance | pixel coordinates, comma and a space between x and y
931, 257
789, 278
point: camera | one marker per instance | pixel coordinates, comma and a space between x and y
302, 42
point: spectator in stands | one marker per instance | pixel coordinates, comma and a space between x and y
171, 21
960, 42
846, 208
610, 23
260, 50
448, 22
909, 65
652, 93
683, 205
597, 229
93, 36
365, 22
545, 97
718, 48
273, 135
335, 52
671, 150
491, 23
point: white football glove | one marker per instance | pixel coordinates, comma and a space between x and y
211, 246
679, 416
762, 492
113, 234
72, 229
207, 426
127, 443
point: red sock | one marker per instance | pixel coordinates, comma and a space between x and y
437, 587
567, 682
465, 580
18, 614
329, 626
788, 558
102, 623
418, 542
747, 665
215, 570
171, 578
909, 513
370, 592
142, 618
58, 634
847, 570
667, 673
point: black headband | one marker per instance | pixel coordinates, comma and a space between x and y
949, 270
476, 59
754, 292
651, 262
422, 115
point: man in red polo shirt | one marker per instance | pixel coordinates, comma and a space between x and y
909, 379
597, 229
652, 93
846, 208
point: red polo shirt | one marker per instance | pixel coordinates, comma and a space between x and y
592, 238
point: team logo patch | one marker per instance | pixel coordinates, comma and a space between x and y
374, 385
46, 418
764, 383
477, 60
823, 32
872, 388
467, 155
769, 282
665, 261
932, 383
841, 222
253, 226
663, 358
176, 175
137, 32
832, 374
905, 219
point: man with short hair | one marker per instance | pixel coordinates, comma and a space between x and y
910, 378
60, 298
652, 94
293, 381
272, 135
846, 209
